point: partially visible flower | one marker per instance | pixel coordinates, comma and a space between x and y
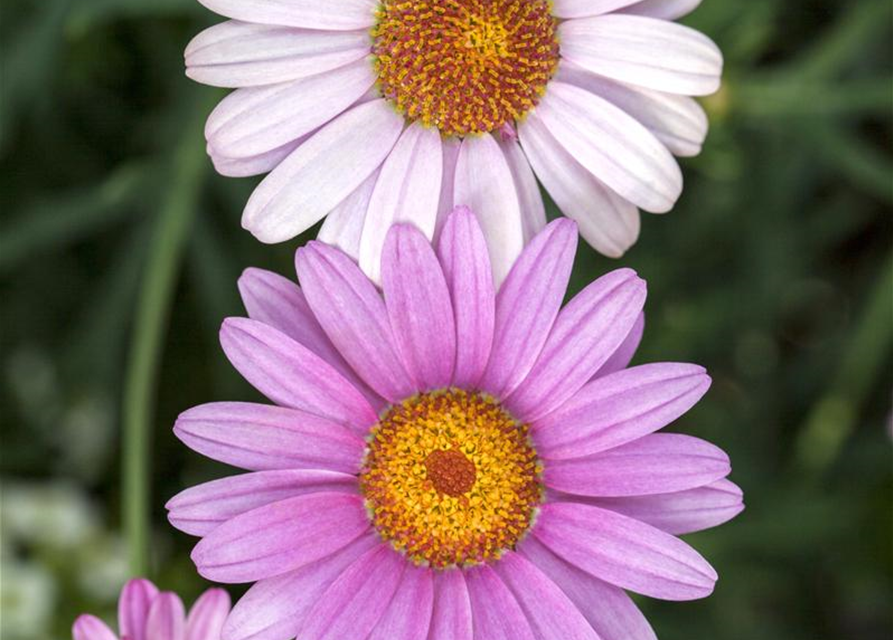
449, 461
375, 112
145, 613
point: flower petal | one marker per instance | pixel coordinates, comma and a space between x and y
466, 267
275, 608
322, 172
485, 185
680, 512
350, 608
664, 9
622, 356
610, 612
608, 222
551, 615
88, 627
343, 227
612, 145
293, 376
643, 51
495, 612
451, 148
343, 15
619, 408
408, 190
242, 54
262, 437
167, 618
533, 211
451, 618
202, 508
587, 331
408, 617
206, 618
280, 537
679, 122
133, 607
624, 551
254, 165
253, 121
419, 307
657, 463
354, 316
527, 305
567, 9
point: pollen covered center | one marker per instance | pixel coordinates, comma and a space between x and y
464, 66
450, 478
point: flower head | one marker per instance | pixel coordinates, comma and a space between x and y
446, 460
144, 613
369, 112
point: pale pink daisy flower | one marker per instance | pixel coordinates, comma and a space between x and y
373, 112
446, 461
145, 613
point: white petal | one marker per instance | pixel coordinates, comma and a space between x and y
252, 165
612, 145
582, 8
343, 227
451, 148
322, 172
342, 15
644, 51
533, 212
666, 9
485, 185
408, 190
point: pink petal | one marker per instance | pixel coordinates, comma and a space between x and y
291, 375
202, 508
612, 146
408, 617
262, 437
610, 612
343, 227
527, 305
88, 627
466, 267
309, 14
352, 606
581, 8
587, 331
552, 616
280, 537
608, 222
620, 407
451, 619
242, 54
280, 303
624, 552
354, 316
419, 307
643, 51
206, 618
485, 185
275, 608
322, 172
665, 9
680, 512
167, 618
254, 165
533, 211
133, 607
495, 612
252, 121
621, 358
657, 463
408, 190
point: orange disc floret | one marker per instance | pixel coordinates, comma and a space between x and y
465, 66
450, 478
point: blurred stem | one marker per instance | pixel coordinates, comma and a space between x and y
153, 306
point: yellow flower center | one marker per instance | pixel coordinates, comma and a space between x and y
450, 478
464, 66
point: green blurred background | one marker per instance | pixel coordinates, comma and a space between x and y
120, 249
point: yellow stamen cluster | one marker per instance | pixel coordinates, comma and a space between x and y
465, 66
450, 478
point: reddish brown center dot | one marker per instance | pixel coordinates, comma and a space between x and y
450, 472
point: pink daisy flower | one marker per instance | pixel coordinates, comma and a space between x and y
373, 112
446, 461
144, 613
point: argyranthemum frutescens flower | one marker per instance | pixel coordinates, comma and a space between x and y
447, 461
144, 613
381, 111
